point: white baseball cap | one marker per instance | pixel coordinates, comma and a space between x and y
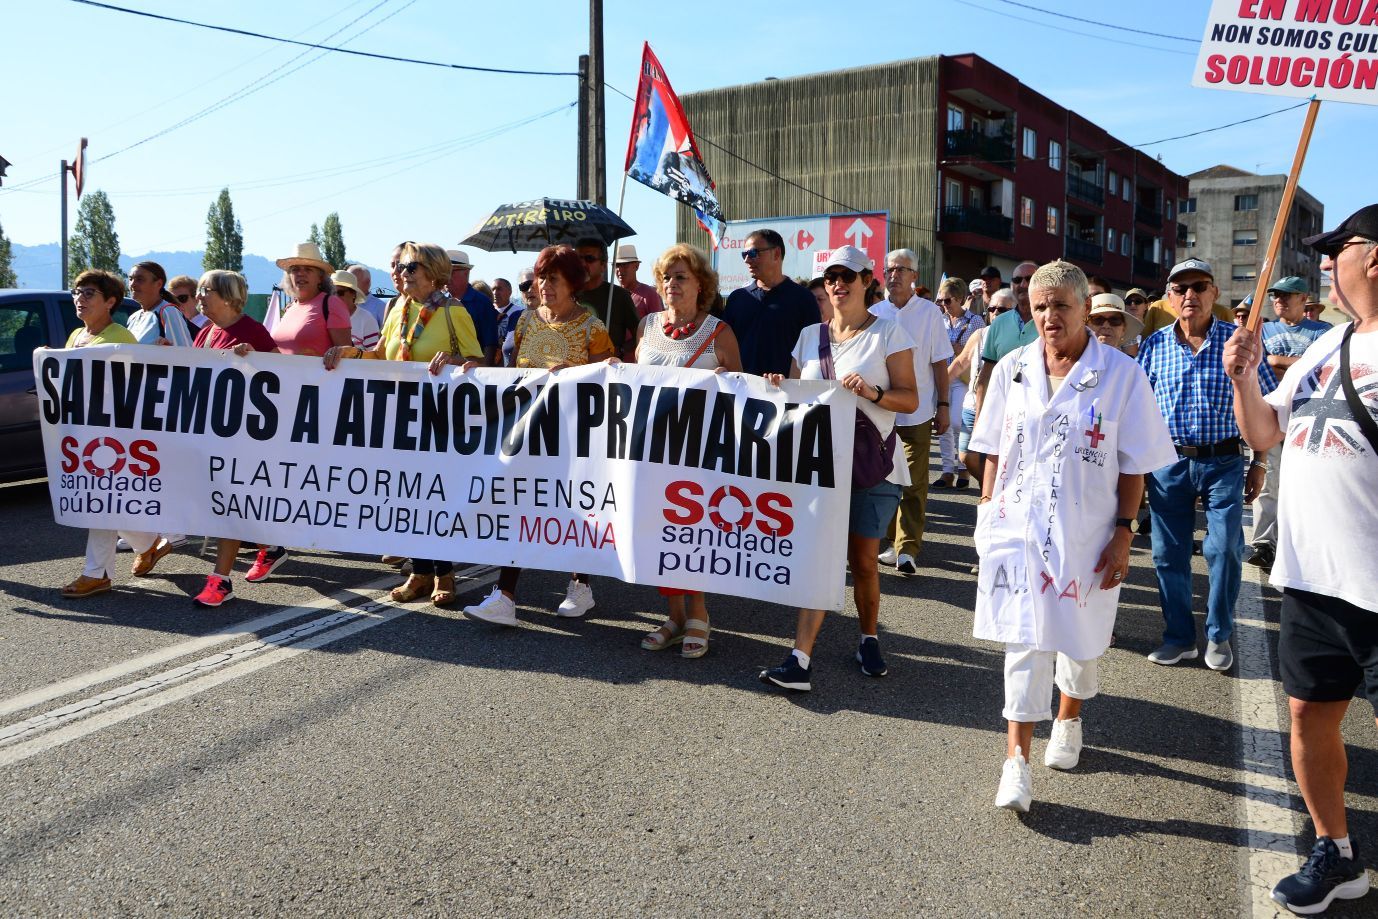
849, 257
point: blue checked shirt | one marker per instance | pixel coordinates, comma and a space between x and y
1193, 391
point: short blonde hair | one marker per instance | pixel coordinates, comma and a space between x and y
953, 287
699, 267
434, 262
182, 280
231, 287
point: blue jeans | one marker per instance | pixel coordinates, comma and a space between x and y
1172, 494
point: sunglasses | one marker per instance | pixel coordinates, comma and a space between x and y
845, 275
1135, 301
1020, 279
1199, 287
407, 267
753, 253
524, 286
997, 310
80, 292
1107, 320
943, 301
181, 298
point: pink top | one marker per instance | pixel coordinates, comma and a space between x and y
303, 331
646, 300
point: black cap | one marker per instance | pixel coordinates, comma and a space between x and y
990, 271
1363, 222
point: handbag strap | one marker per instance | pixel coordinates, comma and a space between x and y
454, 339
703, 345
1356, 405
825, 352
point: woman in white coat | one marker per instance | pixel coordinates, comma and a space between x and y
1069, 428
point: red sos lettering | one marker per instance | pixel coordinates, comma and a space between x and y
729, 508
139, 458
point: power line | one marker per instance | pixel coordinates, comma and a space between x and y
1096, 22
336, 49
1056, 28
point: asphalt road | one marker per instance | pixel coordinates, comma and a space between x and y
342, 756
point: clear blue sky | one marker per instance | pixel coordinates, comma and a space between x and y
407, 152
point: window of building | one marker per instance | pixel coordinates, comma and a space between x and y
1124, 244
1114, 184
1124, 189
1246, 202
1246, 237
1191, 240
954, 193
1168, 204
1188, 206
1026, 211
978, 124
1054, 155
1054, 221
976, 197
1168, 260
1110, 239
1247, 272
1030, 143
955, 118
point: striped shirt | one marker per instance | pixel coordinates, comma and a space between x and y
1193, 391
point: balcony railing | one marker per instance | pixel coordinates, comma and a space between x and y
1081, 249
1086, 191
996, 149
977, 220
1147, 268
1148, 216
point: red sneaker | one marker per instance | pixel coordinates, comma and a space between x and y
216, 591
266, 563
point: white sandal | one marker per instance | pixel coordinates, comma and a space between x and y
692, 645
666, 634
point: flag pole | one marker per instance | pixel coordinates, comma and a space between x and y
1289, 192
621, 200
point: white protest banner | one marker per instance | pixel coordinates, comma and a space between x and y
1322, 48
675, 478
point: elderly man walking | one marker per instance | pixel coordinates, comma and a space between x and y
1322, 415
1195, 397
923, 320
1284, 342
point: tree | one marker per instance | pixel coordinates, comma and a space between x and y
224, 236
7, 275
315, 236
94, 243
332, 246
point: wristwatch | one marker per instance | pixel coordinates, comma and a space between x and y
880, 394
1126, 522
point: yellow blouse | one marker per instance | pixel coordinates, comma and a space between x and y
545, 344
435, 337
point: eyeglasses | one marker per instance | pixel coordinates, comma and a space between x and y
997, 310
407, 267
1199, 287
1107, 320
753, 253
80, 292
895, 269
1020, 279
845, 275
591, 259
524, 286
203, 291
1135, 301
943, 301
181, 298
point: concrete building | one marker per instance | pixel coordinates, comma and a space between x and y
1228, 215
972, 166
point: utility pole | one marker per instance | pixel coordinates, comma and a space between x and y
598, 149
583, 158
62, 180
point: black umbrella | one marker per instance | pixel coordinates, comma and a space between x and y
530, 226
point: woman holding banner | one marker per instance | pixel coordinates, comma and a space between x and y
685, 335
557, 334
426, 324
872, 358
221, 295
1068, 428
95, 294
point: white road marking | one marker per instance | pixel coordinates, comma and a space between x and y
1266, 807
85, 681
79, 719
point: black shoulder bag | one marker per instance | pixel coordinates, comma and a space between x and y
1356, 405
873, 458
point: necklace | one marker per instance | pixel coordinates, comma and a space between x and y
677, 333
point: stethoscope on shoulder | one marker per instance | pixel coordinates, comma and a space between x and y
1090, 380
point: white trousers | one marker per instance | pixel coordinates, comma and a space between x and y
100, 549
947, 443
1266, 504
1029, 678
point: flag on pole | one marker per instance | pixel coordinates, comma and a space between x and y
661, 152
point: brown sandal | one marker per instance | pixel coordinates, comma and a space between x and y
444, 592
415, 586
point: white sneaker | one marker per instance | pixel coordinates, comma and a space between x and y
1064, 747
497, 608
888, 557
905, 564
122, 545
176, 540
578, 600
1016, 786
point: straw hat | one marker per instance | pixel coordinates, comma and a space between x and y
307, 254
1101, 304
345, 279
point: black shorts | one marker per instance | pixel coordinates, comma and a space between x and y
1327, 648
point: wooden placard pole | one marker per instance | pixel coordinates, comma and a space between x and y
1289, 191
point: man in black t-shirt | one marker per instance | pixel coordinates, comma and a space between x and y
769, 313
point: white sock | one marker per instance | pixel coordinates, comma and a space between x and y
873, 637
803, 658
1344, 845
